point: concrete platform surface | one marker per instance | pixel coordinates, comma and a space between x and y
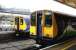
17, 45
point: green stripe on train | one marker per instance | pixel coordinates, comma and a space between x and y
70, 33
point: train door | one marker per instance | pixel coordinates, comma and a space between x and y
39, 25
17, 25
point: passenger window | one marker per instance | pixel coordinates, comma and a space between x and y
73, 23
48, 20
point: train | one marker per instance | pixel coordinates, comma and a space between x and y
14, 25
47, 26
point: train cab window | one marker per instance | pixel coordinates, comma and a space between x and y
16, 20
48, 20
21, 21
33, 20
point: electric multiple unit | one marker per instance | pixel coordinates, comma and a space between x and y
12, 22
47, 25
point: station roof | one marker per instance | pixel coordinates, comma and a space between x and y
15, 11
35, 5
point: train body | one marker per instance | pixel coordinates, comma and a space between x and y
12, 22
48, 25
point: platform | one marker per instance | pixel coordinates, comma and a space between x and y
17, 45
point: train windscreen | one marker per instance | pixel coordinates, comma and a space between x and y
48, 20
33, 20
21, 21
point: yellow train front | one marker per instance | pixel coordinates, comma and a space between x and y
22, 26
48, 27
43, 25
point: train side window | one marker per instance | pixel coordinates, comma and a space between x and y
48, 20
73, 23
33, 20
21, 21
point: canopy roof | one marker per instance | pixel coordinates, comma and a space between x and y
35, 5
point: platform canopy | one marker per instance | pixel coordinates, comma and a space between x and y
34, 5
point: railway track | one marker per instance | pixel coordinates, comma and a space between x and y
66, 45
